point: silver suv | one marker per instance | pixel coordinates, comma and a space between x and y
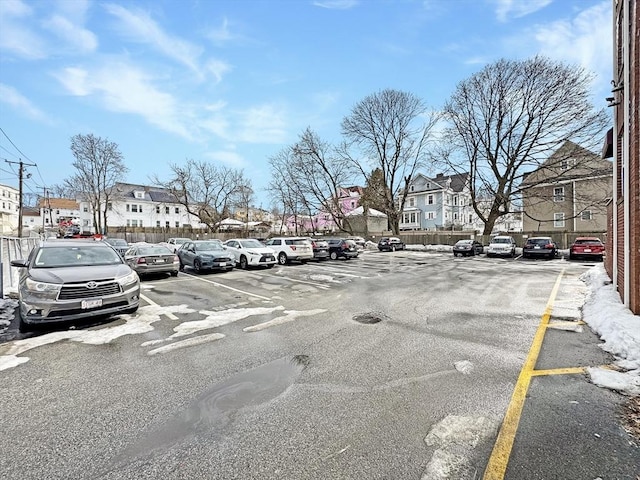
502, 245
291, 248
74, 279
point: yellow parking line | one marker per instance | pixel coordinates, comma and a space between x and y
497, 465
559, 371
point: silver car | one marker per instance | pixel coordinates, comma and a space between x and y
65, 280
150, 258
204, 255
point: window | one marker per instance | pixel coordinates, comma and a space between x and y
455, 200
128, 208
558, 194
177, 209
430, 216
353, 204
157, 223
455, 216
134, 208
470, 218
428, 185
166, 210
558, 219
564, 164
86, 209
586, 215
430, 199
139, 194
412, 201
177, 224
109, 206
166, 224
158, 209
411, 188
411, 217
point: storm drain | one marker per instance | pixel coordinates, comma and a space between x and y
369, 317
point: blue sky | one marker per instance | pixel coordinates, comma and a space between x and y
233, 82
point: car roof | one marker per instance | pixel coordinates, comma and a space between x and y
72, 242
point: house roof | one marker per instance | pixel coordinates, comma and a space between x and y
151, 193
59, 203
360, 211
441, 181
559, 165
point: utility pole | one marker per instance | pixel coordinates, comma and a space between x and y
20, 178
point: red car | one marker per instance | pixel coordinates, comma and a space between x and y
587, 247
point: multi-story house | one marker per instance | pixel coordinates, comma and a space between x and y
623, 145
569, 192
9, 208
58, 213
141, 206
440, 202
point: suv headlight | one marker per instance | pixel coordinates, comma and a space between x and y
42, 287
128, 279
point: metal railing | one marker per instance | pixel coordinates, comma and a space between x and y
13, 248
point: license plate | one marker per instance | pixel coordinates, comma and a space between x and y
223, 264
587, 250
92, 303
159, 260
537, 246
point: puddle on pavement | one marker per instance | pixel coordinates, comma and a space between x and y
369, 317
214, 410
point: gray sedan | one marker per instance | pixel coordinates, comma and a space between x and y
150, 258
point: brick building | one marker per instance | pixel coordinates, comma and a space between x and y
623, 240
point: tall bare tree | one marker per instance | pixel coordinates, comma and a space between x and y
507, 119
314, 174
390, 131
205, 190
99, 166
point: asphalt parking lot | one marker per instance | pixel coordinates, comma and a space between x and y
392, 365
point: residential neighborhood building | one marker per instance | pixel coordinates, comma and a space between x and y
622, 260
569, 192
134, 205
443, 201
58, 213
9, 208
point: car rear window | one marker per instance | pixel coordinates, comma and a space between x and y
590, 241
501, 240
299, 241
539, 241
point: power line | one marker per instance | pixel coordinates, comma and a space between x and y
14, 146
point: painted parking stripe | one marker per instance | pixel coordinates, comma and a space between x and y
497, 465
151, 302
228, 287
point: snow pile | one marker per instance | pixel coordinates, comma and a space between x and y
617, 327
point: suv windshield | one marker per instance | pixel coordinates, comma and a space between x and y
51, 257
501, 240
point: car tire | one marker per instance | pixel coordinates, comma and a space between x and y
197, 266
181, 267
270, 266
333, 255
303, 262
23, 327
243, 262
599, 258
174, 274
282, 258
393, 248
572, 257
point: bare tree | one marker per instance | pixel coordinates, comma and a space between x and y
205, 190
99, 166
507, 119
314, 174
390, 131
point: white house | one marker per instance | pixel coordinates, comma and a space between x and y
141, 206
9, 207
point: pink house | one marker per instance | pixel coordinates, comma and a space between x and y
348, 199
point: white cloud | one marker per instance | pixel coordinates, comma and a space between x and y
227, 157
140, 27
337, 4
585, 40
262, 124
15, 37
20, 103
506, 9
80, 39
218, 68
124, 88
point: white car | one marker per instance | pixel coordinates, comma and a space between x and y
291, 248
249, 252
174, 244
501, 245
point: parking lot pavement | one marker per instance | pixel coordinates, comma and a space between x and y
397, 344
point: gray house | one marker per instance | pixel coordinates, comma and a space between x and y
443, 201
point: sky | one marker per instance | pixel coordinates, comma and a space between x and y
233, 82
